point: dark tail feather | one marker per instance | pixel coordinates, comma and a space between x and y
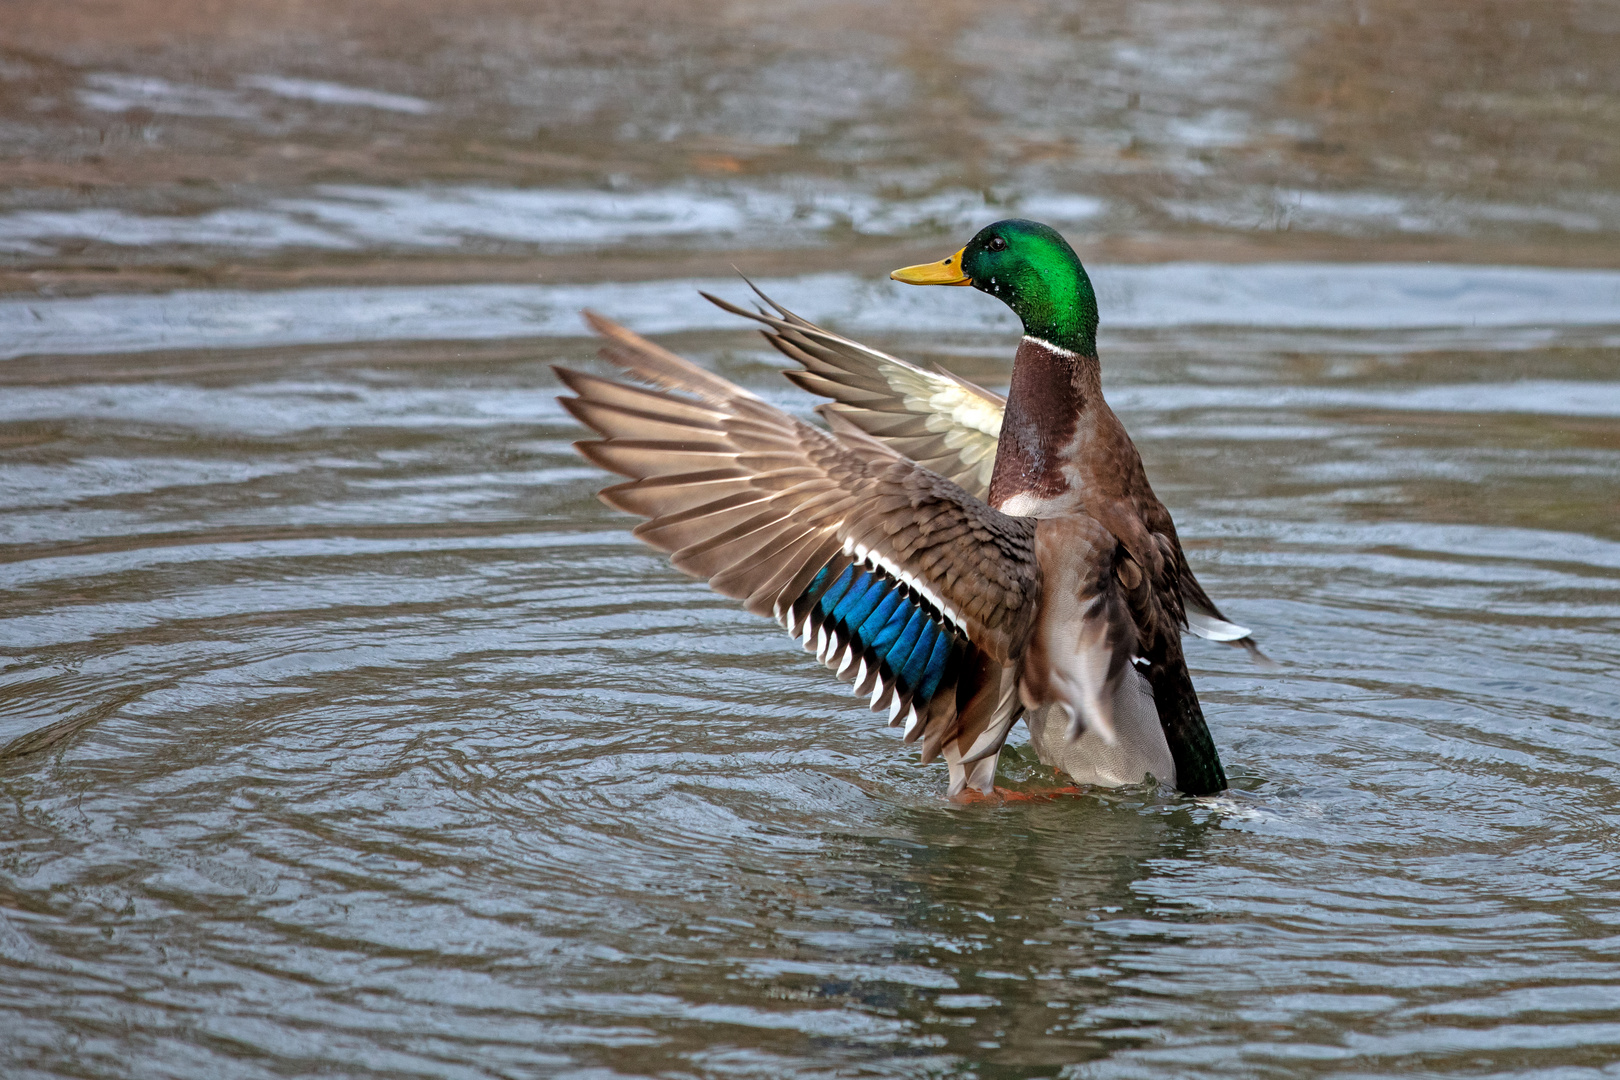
1198, 764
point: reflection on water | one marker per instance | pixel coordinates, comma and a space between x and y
353, 217
370, 739
1484, 307
506, 131
343, 730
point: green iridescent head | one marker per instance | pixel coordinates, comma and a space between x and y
1031, 269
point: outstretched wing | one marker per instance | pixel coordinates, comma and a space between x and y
936, 418
941, 421
904, 584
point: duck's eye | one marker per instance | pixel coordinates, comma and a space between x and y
997, 244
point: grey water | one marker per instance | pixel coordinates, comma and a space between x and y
344, 732
361, 738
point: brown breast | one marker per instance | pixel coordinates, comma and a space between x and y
1061, 445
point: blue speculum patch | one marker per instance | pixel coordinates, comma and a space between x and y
886, 621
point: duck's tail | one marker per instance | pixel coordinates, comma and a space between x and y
1198, 763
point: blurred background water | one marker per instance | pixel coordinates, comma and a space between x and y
342, 731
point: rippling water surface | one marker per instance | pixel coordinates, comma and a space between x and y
348, 732
343, 732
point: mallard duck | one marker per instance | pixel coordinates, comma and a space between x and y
961, 559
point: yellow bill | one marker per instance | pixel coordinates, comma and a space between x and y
948, 272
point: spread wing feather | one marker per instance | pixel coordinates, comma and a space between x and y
936, 418
941, 421
926, 600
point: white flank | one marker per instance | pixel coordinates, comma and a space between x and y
1079, 676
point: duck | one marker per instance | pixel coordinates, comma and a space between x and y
963, 560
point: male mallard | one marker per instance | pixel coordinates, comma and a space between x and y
1051, 586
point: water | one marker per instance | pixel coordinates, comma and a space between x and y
1497, 307
343, 730
383, 746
